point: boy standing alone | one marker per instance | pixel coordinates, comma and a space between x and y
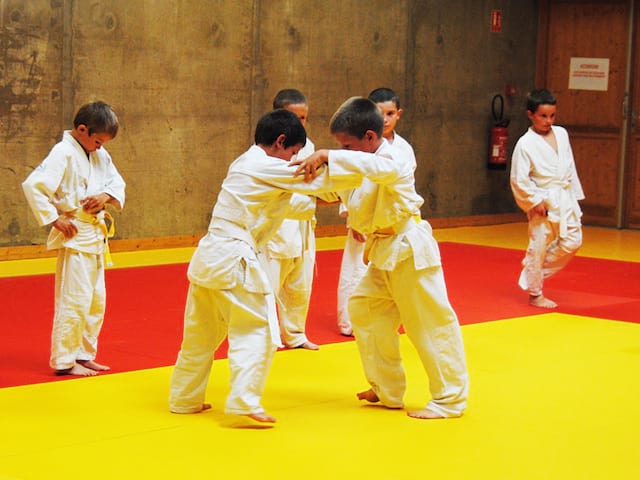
69, 191
546, 186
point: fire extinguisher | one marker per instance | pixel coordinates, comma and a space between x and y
499, 136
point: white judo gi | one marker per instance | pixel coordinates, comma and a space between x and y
230, 294
56, 187
540, 174
291, 255
352, 267
404, 285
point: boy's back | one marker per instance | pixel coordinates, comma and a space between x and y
247, 198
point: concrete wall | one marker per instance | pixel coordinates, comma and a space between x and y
189, 79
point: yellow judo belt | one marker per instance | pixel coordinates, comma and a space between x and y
388, 231
107, 231
396, 229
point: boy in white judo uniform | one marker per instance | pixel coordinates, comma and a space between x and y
230, 293
352, 267
69, 191
546, 186
404, 282
291, 253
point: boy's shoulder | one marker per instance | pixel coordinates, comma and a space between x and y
310, 143
404, 146
401, 156
400, 142
307, 150
64, 146
560, 130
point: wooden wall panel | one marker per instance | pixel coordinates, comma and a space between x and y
594, 30
597, 158
633, 185
594, 118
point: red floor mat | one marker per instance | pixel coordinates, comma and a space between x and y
482, 285
143, 327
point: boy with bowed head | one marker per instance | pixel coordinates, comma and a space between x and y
404, 282
229, 293
69, 191
352, 268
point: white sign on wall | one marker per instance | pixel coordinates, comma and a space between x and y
589, 74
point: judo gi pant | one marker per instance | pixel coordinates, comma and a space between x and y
80, 300
418, 300
352, 269
210, 315
292, 279
547, 252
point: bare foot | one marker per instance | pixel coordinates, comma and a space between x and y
262, 417
368, 395
77, 369
346, 331
205, 406
424, 414
94, 365
541, 301
252, 420
309, 346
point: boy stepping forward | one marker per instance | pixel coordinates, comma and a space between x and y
230, 294
546, 186
352, 267
401, 252
69, 191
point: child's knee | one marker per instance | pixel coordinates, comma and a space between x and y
572, 242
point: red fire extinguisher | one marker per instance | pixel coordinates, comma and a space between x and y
499, 136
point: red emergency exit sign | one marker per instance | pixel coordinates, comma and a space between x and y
496, 21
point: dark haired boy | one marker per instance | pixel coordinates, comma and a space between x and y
69, 191
546, 187
230, 293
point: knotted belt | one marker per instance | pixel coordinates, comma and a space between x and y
100, 220
400, 227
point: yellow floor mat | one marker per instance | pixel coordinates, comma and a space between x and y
552, 396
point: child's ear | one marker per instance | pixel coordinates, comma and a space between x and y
400, 113
279, 143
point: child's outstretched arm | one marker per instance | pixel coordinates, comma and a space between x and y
311, 164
